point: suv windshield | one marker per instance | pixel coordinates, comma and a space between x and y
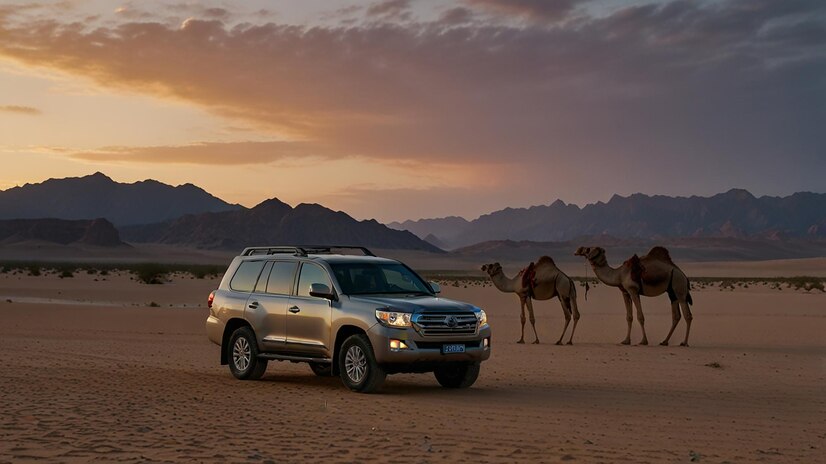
378, 278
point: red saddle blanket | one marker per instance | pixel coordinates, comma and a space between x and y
529, 278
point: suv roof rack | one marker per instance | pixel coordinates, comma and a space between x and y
302, 250
272, 250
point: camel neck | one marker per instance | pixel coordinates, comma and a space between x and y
606, 274
503, 283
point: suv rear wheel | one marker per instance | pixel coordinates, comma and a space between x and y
357, 365
242, 352
458, 375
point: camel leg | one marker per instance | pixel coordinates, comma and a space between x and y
573, 309
635, 297
567, 314
533, 319
688, 317
629, 317
522, 305
675, 319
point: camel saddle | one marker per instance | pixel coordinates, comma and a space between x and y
529, 278
637, 269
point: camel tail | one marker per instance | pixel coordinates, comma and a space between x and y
672, 295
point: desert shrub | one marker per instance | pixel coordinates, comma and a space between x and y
150, 273
104, 272
806, 283
34, 270
198, 273
66, 273
152, 304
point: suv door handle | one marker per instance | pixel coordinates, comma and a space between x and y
253, 305
294, 309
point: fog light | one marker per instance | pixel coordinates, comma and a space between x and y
397, 345
485, 343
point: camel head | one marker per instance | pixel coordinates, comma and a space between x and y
492, 269
590, 253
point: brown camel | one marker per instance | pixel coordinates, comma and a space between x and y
650, 275
542, 281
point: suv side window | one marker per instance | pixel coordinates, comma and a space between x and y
311, 274
261, 286
246, 276
282, 277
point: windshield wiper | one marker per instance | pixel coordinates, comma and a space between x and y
412, 292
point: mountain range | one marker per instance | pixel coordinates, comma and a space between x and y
733, 214
187, 216
98, 196
96, 232
274, 222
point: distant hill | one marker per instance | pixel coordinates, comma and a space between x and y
437, 228
274, 223
98, 196
96, 232
688, 249
733, 214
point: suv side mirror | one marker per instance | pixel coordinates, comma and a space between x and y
436, 287
321, 291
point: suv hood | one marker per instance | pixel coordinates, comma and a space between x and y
413, 303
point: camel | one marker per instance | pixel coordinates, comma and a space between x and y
650, 275
542, 281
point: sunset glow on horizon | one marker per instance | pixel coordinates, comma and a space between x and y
402, 109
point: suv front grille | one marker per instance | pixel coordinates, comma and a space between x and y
436, 324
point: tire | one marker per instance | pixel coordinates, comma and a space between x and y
322, 369
365, 375
242, 353
457, 375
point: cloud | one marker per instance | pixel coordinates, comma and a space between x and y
457, 15
27, 110
532, 10
390, 9
653, 96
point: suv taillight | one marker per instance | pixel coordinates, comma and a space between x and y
210, 300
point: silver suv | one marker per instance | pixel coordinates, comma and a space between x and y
359, 317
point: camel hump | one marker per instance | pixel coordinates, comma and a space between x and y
660, 253
545, 260
635, 264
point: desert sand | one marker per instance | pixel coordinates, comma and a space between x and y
91, 372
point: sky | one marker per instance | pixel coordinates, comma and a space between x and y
403, 109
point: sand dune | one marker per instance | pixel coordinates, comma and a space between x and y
116, 382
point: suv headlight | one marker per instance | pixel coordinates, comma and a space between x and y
482, 317
392, 318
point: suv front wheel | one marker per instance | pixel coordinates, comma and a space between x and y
242, 352
357, 365
458, 375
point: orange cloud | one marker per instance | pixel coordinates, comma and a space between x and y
28, 110
228, 153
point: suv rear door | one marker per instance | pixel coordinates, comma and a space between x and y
310, 319
267, 305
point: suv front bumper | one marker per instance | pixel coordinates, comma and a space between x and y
426, 349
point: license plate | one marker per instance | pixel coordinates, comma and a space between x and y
456, 348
